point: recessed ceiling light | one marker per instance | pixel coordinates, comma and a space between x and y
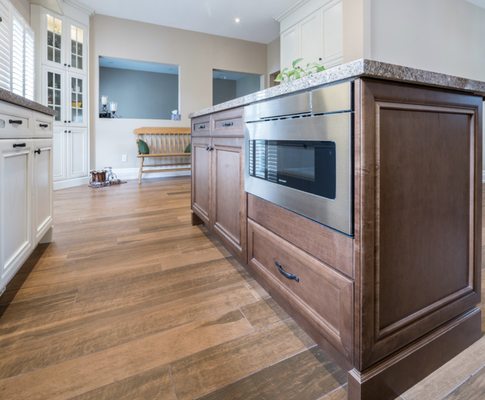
237, 20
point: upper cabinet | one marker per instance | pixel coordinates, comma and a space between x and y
313, 32
63, 43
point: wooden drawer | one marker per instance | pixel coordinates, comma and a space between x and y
201, 126
229, 123
311, 291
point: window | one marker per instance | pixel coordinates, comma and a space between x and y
54, 39
16, 52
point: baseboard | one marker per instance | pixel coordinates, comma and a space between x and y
132, 173
71, 183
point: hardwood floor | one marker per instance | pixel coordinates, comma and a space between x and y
132, 302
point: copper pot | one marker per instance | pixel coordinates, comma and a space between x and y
98, 176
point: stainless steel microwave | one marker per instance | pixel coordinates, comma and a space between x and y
299, 154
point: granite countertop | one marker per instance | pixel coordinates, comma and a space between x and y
9, 97
355, 69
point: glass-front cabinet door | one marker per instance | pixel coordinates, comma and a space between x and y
77, 100
77, 59
54, 93
54, 40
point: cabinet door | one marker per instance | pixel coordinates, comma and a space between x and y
77, 152
42, 198
201, 169
311, 30
53, 93
53, 42
59, 153
76, 114
332, 19
76, 47
290, 46
15, 205
228, 198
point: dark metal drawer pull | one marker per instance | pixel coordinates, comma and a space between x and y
287, 275
37, 151
201, 126
227, 124
44, 125
19, 145
15, 121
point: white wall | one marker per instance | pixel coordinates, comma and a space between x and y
273, 56
197, 54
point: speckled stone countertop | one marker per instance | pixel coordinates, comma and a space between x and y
9, 97
355, 69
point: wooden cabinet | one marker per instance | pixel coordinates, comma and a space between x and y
218, 196
228, 198
313, 32
201, 177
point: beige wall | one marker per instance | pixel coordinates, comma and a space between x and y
273, 56
196, 54
23, 7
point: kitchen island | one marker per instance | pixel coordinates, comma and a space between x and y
397, 295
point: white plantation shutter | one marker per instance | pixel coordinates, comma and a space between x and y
5, 45
17, 56
22, 65
29, 64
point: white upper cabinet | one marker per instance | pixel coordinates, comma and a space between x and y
313, 32
63, 43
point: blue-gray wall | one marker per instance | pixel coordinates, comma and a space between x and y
140, 94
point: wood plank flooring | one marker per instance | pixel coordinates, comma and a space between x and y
132, 302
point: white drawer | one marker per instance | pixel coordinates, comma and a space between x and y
15, 122
42, 125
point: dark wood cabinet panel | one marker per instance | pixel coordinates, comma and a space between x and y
418, 213
228, 196
201, 177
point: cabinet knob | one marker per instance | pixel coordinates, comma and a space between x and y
68, 122
69, 65
37, 151
65, 131
65, 65
68, 131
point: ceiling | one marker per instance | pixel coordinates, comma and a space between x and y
216, 17
479, 3
120, 63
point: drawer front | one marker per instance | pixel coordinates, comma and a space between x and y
201, 126
229, 123
43, 127
14, 123
318, 293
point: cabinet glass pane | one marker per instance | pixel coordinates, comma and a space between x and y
54, 93
77, 38
54, 39
77, 100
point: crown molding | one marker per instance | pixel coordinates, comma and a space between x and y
290, 9
53, 5
79, 6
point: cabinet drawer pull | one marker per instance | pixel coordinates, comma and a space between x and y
37, 151
15, 145
15, 121
44, 125
287, 275
201, 126
227, 124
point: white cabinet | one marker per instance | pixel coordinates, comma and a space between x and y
313, 32
26, 168
15, 205
63, 67
42, 184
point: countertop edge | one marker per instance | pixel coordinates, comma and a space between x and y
352, 70
9, 97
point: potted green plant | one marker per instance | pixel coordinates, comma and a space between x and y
297, 71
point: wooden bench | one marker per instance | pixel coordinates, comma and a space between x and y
168, 144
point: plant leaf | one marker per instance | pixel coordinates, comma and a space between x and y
296, 62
